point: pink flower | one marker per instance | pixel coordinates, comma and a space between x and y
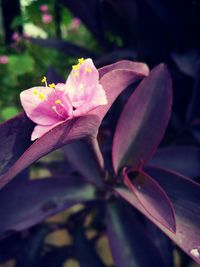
47, 18
3, 59
52, 104
44, 8
16, 37
75, 24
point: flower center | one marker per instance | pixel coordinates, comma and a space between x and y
57, 104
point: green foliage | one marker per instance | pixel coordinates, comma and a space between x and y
9, 112
20, 64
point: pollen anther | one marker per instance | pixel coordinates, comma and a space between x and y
88, 70
57, 101
42, 96
52, 85
81, 60
75, 67
35, 92
44, 80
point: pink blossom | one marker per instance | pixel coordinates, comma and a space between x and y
16, 37
47, 18
44, 8
75, 24
3, 59
52, 104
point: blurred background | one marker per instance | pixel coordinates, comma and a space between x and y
39, 38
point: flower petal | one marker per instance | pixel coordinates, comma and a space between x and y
83, 88
98, 98
39, 130
38, 103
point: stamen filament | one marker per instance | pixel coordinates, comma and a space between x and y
56, 111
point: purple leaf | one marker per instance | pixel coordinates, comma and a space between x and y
183, 159
143, 120
129, 243
26, 203
162, 242
152, 197
125, 64
62, 46
185, 197
64, 133
114, 82
81, 155
13, 140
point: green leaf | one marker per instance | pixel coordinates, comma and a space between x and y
20, 64
9, 112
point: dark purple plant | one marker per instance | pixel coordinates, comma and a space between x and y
167, 199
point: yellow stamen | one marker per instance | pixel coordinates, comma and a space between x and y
44, 80
88, 70
42, 96
75, 67
57, 101
52, 85
81, 60
35, 92
75, 70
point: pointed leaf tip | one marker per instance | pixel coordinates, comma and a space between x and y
148, 108
152, 197
184, 195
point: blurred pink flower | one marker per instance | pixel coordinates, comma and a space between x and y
52, 104
16, 37
3, 59
44, 8
75, 24
47, 18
